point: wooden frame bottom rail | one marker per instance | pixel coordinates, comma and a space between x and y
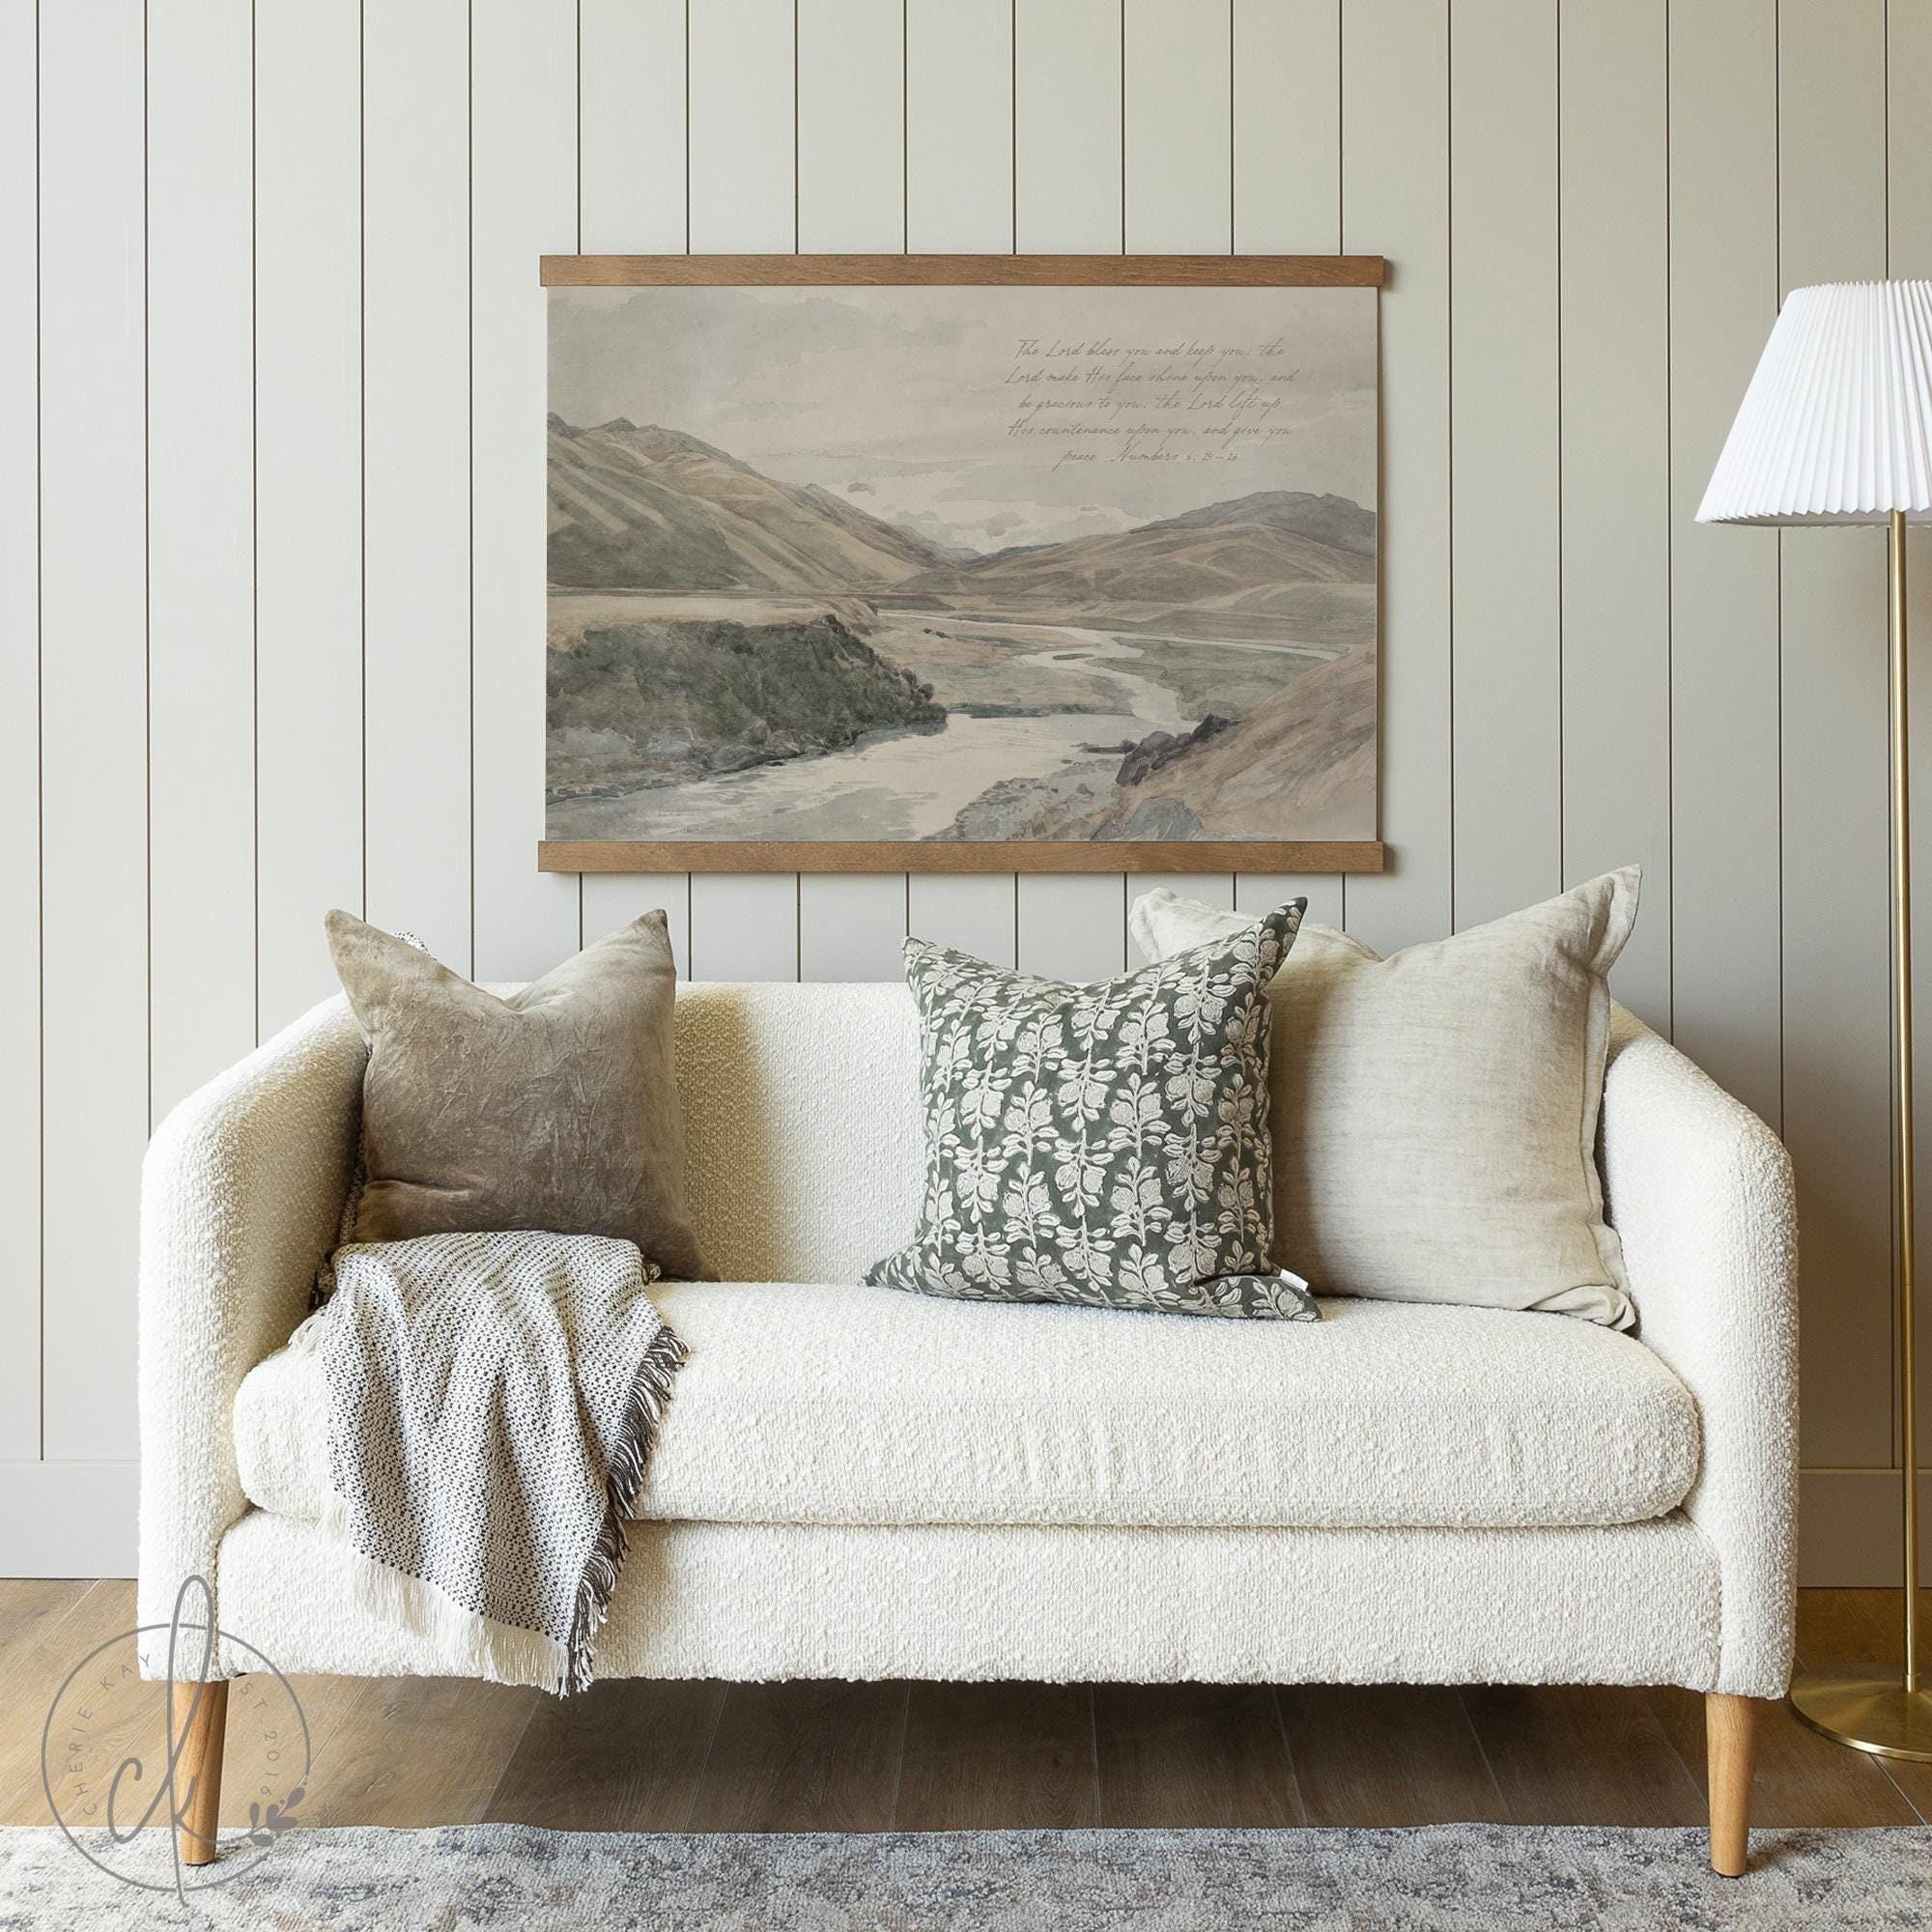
1238, 855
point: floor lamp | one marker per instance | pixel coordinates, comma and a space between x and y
1836, 428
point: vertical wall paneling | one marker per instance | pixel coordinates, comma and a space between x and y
851, 925
961, 137
93, 996
1507, 717
959, 127
611, 899
1831, 227
631, 200
20, 736
743, 133
1072, 927
743, 127
1616, 468
851, 126
417, 472
1909, 247
631, 138
1725, 889
1395, 202
308, 492
1178, 85
976, 912
1066, 125
743, 926
1288, 126
201, 543
1287, 172
851, 196
523, 204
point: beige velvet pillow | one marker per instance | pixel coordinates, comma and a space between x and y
1435, 1112
554, 1107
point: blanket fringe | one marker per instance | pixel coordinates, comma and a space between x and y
479, 1646
630, 1457
468, 1645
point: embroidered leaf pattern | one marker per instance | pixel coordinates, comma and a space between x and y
1103, 1143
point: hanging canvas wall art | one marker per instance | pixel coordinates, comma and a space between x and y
983, 563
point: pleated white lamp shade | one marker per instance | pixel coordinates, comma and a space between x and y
1836, 426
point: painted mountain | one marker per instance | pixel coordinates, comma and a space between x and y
736, 657
653, 509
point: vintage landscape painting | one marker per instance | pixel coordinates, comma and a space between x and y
939, 564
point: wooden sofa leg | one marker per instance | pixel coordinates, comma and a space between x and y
198, 1770
1730, 1739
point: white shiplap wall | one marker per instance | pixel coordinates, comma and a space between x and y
271, 553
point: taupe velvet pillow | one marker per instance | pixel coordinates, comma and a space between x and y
554, 1107
1435, 1112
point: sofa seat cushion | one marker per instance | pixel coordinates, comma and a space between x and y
849, 1403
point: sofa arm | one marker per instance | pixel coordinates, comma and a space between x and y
241, 1196
1699, 1191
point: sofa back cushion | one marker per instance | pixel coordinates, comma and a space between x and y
804, 1138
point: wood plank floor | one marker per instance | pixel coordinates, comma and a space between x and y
872, 1757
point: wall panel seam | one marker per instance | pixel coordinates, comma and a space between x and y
362, 422
470, 453
40, 746
689, 173
577, 82
1562, 732
1777, 298
146, 576
1341, 242
255, 509
1449, 427
794, 150
690, 889
905, 140
1669, 555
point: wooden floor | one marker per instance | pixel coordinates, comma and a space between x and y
871, 1757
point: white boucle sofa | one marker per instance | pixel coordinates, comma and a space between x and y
857, 1483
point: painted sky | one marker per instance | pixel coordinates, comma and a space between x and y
903, 400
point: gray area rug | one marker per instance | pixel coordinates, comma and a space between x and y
1488, 1878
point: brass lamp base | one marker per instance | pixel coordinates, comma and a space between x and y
1868, 1706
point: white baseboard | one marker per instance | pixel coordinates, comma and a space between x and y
66, 1519
77, 1519
1849, 1530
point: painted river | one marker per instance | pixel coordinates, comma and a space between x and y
904, 784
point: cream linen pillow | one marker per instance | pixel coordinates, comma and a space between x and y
1435, 1114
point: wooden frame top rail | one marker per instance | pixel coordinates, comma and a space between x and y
1233, 271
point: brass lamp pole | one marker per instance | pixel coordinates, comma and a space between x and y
1836, 428
1864, 1704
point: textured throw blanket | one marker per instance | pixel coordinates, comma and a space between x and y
493, 1400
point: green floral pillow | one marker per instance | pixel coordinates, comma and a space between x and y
1104, 1144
